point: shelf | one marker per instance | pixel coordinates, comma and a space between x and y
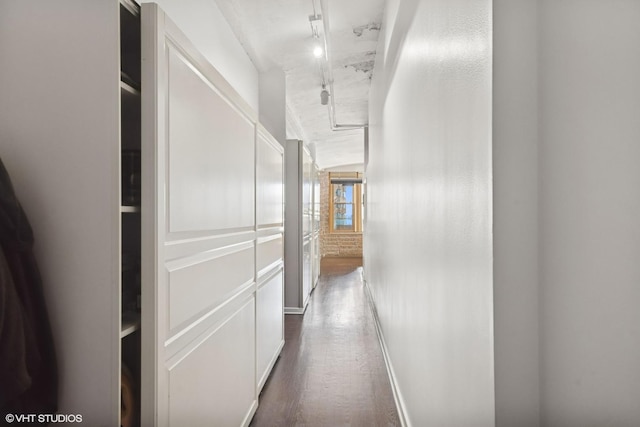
131, 6
130, 324
130, 209
130, 43
130, 115
128, 85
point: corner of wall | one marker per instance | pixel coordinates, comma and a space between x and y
515, 213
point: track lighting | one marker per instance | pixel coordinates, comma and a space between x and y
322, 52
324, 96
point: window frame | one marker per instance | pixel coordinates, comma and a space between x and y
354, 178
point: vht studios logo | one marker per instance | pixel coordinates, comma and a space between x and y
43, 418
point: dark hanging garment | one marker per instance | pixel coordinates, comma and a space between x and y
27, 354
14, 377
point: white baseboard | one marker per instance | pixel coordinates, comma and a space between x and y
250, 414
294, 310
397, 396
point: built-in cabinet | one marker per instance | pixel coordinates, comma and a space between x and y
301, 236
157, 200
212, 239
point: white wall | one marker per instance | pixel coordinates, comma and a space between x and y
566, 204
273, 105
206, 28
428, 244
515, 212
589, 212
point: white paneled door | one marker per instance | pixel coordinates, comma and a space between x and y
199, 238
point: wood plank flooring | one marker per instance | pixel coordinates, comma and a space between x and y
331, 371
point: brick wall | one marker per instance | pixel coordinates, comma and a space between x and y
335, 244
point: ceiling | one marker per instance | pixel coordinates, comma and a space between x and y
277, 34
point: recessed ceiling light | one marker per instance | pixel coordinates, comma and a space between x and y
317, 51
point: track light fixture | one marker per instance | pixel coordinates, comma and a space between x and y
318, 51
324, 96
315, 21
322, 51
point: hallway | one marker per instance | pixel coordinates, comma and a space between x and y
331, 371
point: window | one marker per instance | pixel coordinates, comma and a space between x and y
345, 202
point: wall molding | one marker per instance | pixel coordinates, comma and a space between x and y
397, 395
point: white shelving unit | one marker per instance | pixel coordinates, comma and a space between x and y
130, 221
130, 209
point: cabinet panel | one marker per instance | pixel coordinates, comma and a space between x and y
214, 384
205, 280
306, 269
316, 199
211, 153
270, 251
307, 189
315, 259
270, 189
269, 324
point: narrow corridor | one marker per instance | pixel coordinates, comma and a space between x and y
331, 371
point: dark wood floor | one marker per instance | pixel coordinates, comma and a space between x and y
331, 371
